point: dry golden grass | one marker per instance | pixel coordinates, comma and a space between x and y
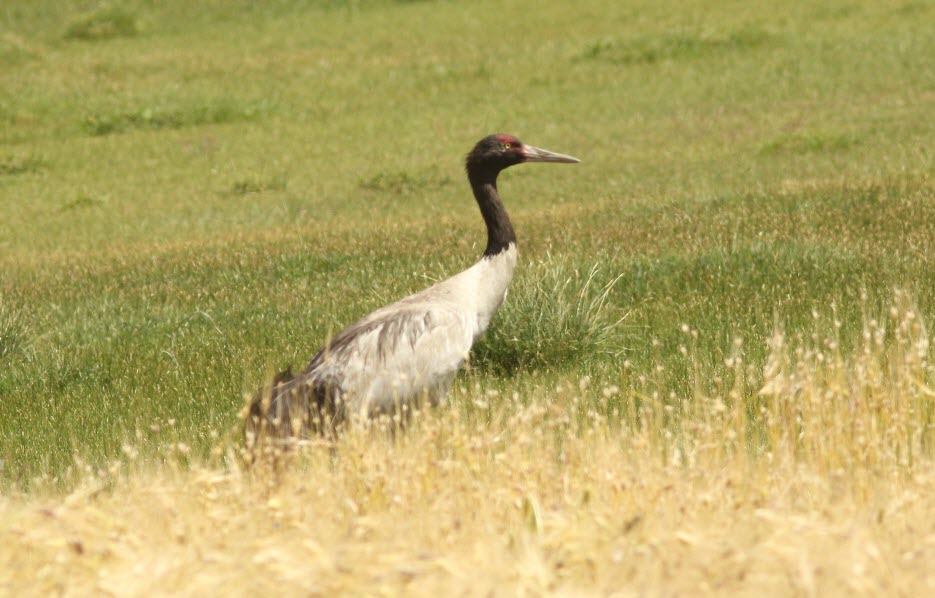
821, 483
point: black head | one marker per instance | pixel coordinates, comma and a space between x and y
496, 152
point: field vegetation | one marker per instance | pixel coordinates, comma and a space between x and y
712, 374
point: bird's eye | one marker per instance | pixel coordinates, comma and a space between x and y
507, 145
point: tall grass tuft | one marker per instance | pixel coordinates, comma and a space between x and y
206, 112
104, 23
675, 45
402, 181
13, 165
813, 141
555, 315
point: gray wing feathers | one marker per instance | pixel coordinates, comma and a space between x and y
396, 354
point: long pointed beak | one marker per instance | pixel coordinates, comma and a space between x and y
535, 154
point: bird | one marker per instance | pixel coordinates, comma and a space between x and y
392, 360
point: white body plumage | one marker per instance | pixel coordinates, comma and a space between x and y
412, 349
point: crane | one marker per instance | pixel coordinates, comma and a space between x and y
408, 352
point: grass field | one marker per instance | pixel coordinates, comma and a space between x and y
711, 375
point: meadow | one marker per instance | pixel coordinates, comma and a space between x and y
712, 373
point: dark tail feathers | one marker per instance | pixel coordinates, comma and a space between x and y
292, 408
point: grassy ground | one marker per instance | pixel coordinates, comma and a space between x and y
193, 195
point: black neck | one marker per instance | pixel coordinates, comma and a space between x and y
499, 229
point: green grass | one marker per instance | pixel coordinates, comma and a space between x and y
193, 201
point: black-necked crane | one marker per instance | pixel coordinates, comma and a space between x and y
411, 350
